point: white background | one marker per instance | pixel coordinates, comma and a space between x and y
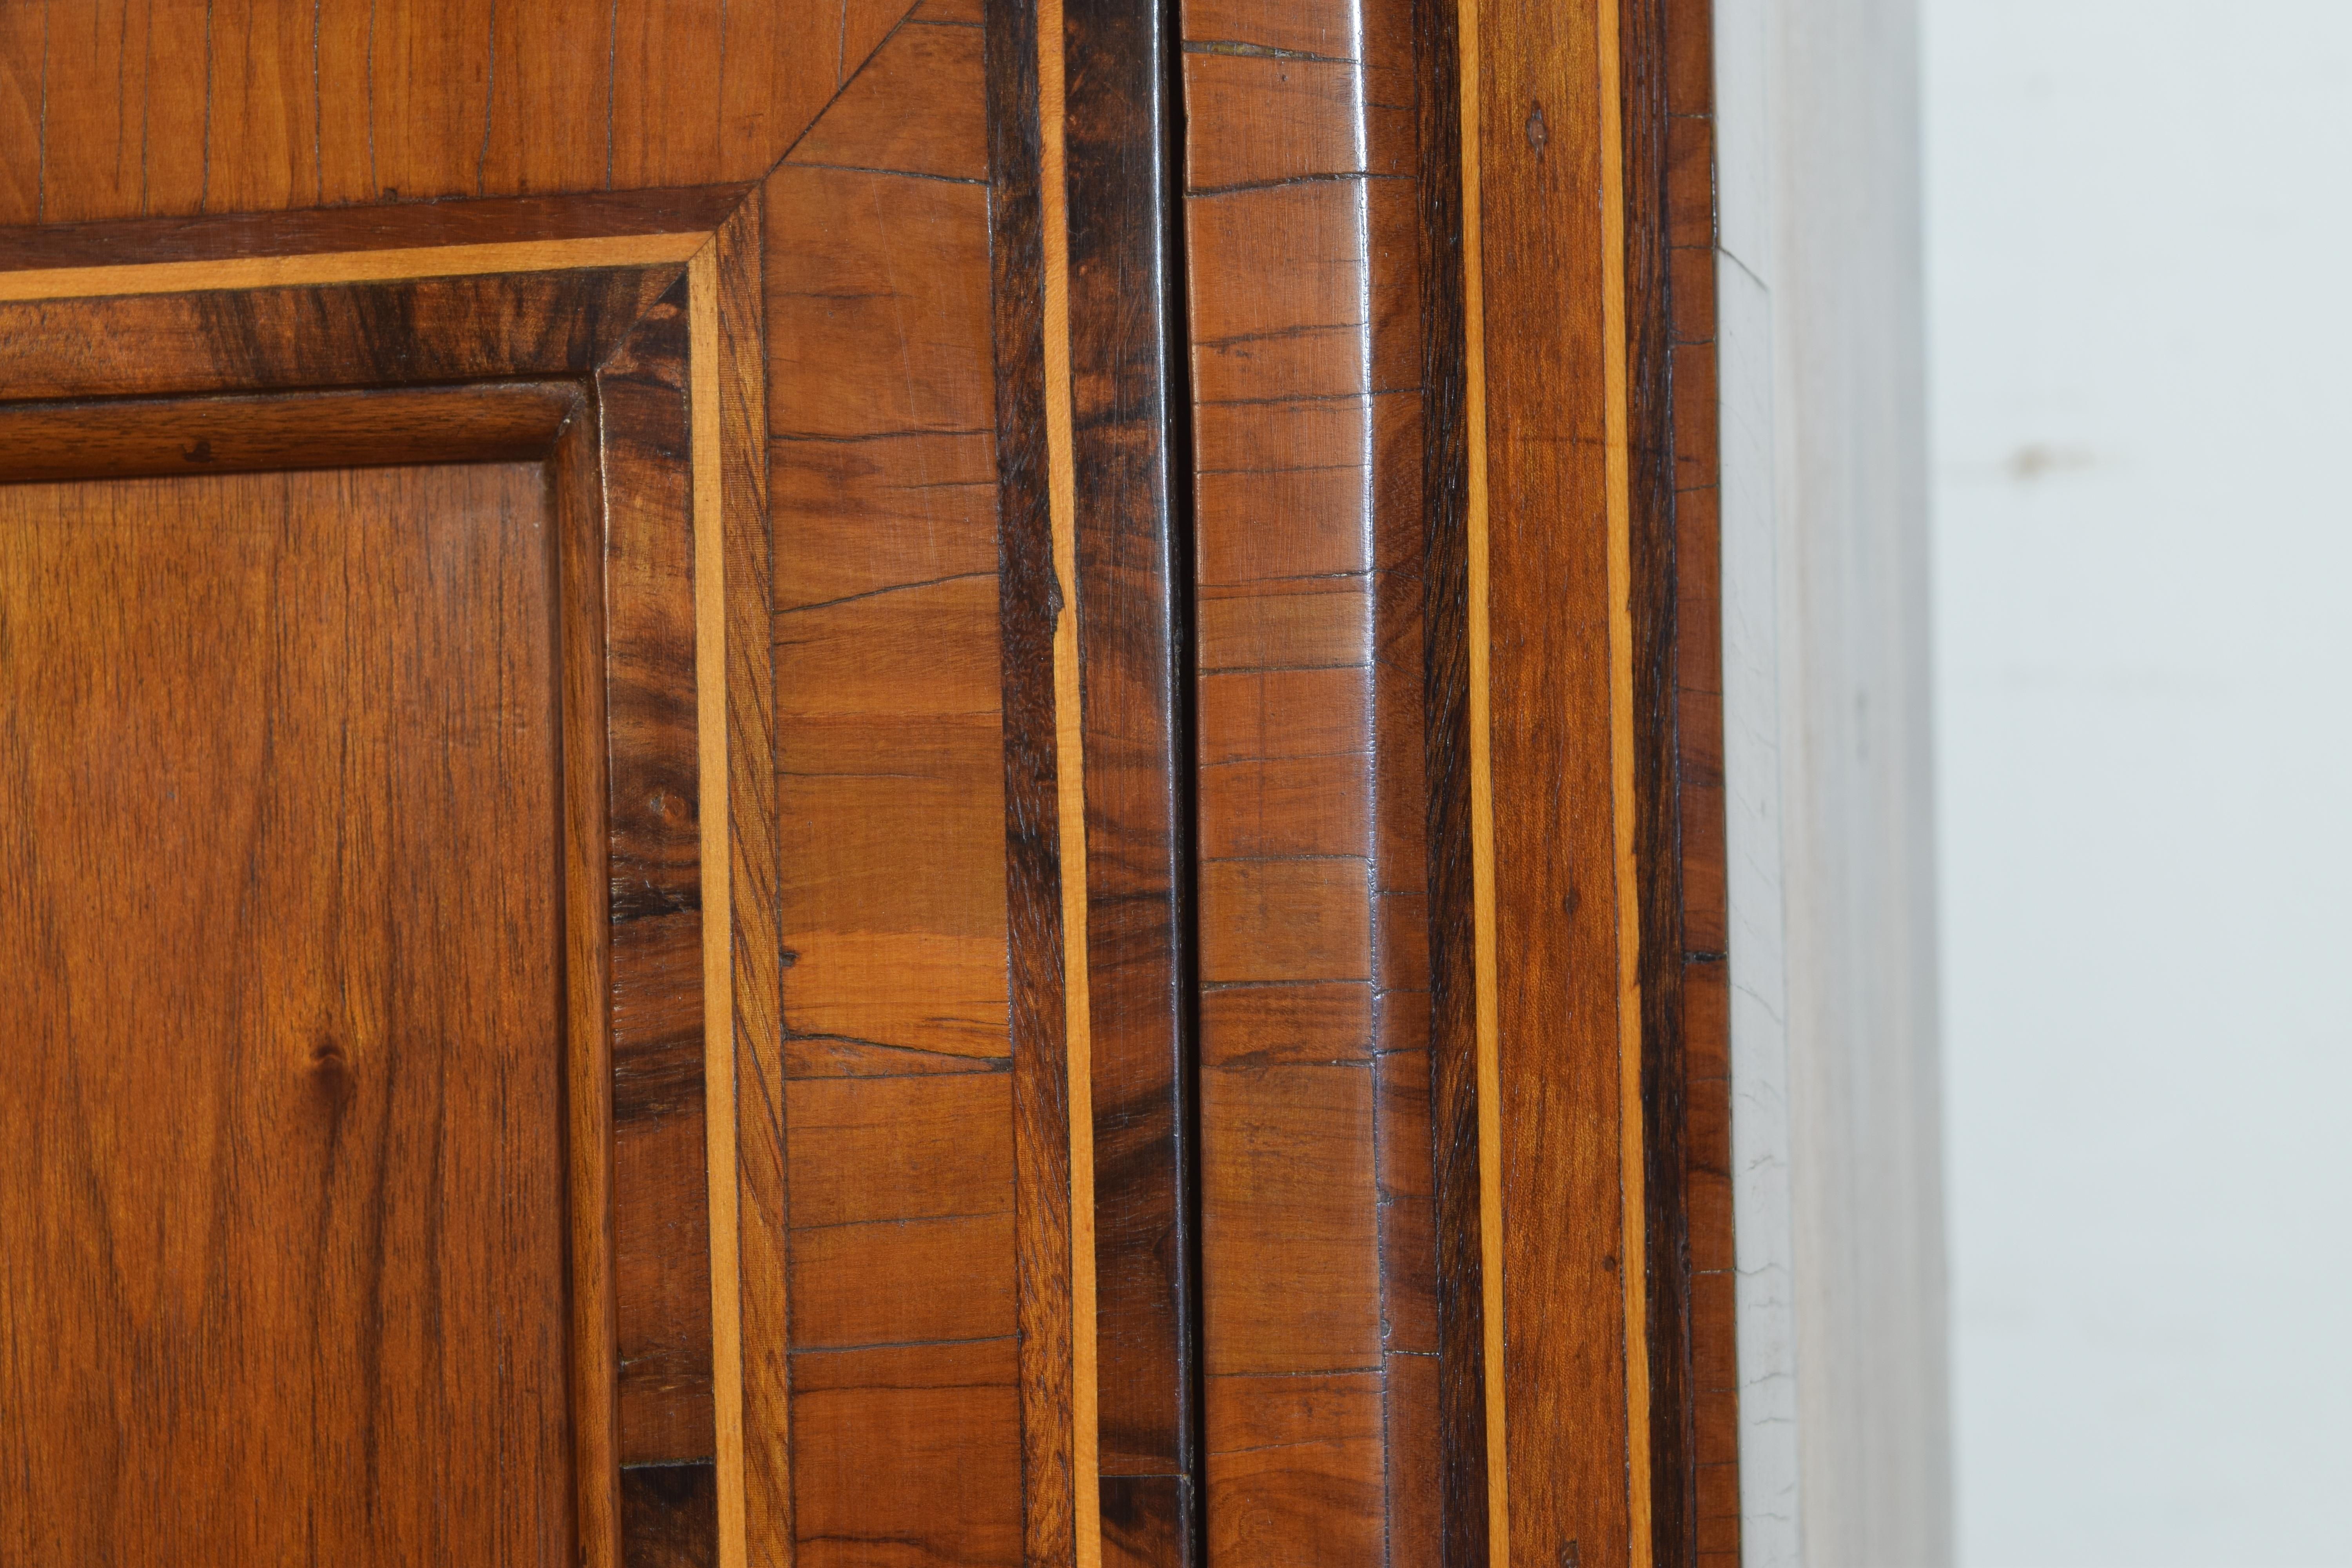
2140, 254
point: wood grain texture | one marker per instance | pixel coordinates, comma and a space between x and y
165, 108
250, 722
427, 100
915, 1105
576, 475
141, 437
598, 216
1129, 410
670, 1516
1546, 315
762, 1181
901, 1108
868, 127
1046, 1228
1675, 739
300, 271
941, 1420
1319, 1224
1456, 1174
429, 330
1683, 167
621, 483
1582, 1336
1644, 61
661, 1207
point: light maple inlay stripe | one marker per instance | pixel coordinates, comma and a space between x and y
1485, 981
314, 269
717, 906
1617, 461
1086, 1462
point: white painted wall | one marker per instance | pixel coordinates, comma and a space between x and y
2139, 219
1844, 1457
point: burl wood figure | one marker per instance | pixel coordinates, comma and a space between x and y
834, 783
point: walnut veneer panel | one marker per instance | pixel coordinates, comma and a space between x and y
287, 1051
134, 108
883, 1130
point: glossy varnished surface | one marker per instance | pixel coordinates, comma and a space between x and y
1050, 1220
433, 330
281, 1178
661, 1231
1320, 1278
136, 437
345, 231
878, 1195
1560, 906
620, 457
1266, 339
739, 383
128, 109
899, 1093
1128, 419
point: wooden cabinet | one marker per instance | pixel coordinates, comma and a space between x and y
881, 784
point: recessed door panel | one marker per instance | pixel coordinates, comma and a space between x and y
282, 1181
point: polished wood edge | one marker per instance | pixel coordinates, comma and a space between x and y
1478, 687
761, 1363
1309, 798
662, 1260
595, 1394
1625, 801
1648, 760
1657, 445
348, 267
1069, 715
714, 820
491, 327
1668, 72
602, 215
1458, 1160
1043, 781
1130, 450
479, 422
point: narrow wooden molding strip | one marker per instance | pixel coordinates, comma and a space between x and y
371, 225
489, 327
1310, 718
1044, 840
1667, 71
762, 1215
1128, 442
717, 927
1070, 755
1556, 810
588, 978
349, 266
115, 439
1624, 806
1482, 811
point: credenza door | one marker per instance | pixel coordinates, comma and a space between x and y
868, 784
